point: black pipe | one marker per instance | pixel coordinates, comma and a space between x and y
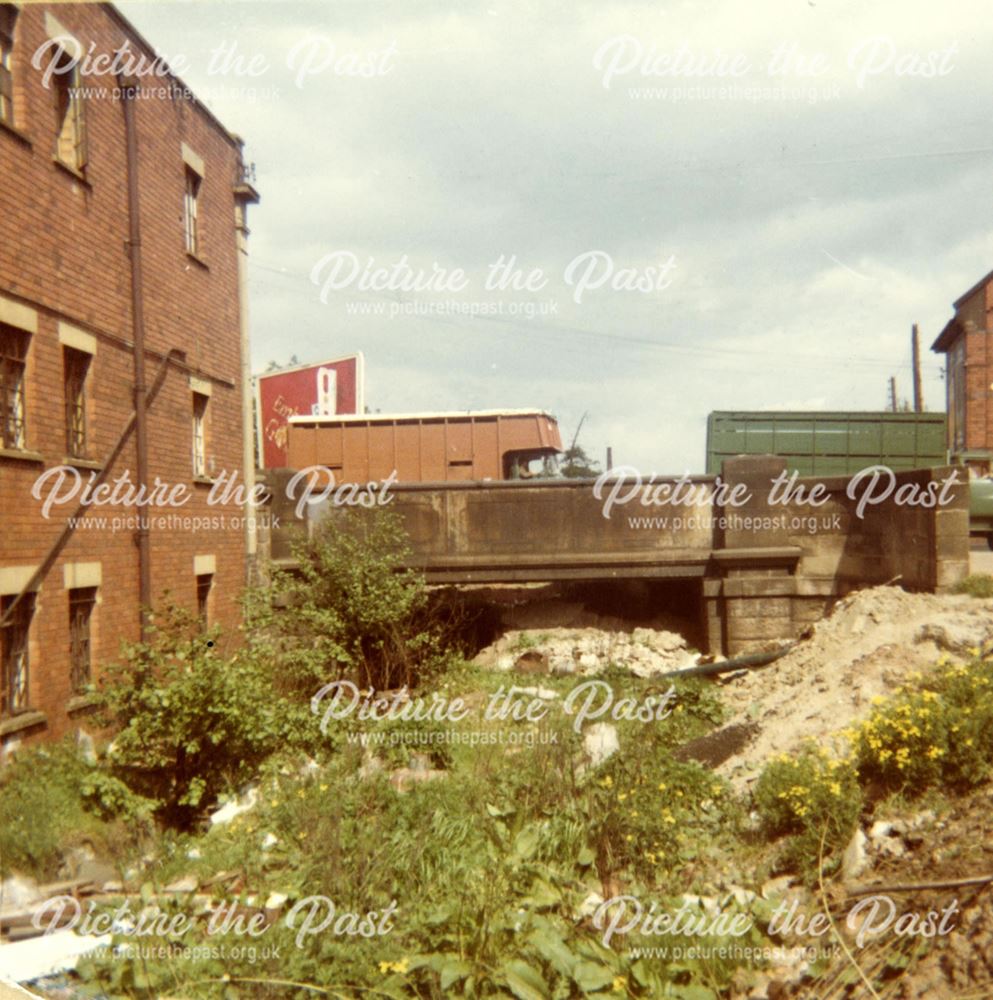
750, 662
128, 95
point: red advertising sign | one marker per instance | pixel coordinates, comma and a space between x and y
324, 389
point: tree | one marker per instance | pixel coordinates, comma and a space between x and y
576, 464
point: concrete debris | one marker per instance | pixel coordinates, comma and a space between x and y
586, 652
545, 694
18, 892
98, 872
24, 961
404, 778
235, 807
188, 883
855, 860
600, 742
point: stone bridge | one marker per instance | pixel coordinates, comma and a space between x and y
764, 567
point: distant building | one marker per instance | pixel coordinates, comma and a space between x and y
70, 594
966, 343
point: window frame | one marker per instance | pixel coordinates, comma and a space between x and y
192, 189
15, 643
13, 369
82, 604
200, 402
8, 22
66, 90
75, 370
204, 589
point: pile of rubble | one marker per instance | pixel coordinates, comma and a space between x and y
585, 652
870, 643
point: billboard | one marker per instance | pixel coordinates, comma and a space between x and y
323, 388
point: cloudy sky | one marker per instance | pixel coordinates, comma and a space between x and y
729, 206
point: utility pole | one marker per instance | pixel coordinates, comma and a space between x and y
892, 406
916, 353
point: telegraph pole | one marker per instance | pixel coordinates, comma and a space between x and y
915, 346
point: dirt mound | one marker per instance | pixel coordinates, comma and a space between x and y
868, 645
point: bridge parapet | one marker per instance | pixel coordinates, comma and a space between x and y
765, 566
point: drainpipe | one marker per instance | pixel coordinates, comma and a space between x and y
245, 195
128, 90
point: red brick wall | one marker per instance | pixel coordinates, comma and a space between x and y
63, 253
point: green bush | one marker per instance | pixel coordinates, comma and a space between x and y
349, 610
935, 731
189, 722
52, 799
813, 798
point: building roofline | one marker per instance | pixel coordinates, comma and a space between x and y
985, 280
307, 418
127, 26
947, 337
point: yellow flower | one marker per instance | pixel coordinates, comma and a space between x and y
620, 983
621, 796
629, 837
662, 786
401, 966
385, 967
324, 788
302, 835
607, 782
835, 787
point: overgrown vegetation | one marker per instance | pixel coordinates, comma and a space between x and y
349, 610
934, 732
189, 722
51, 800
492, 840
976, 585
814, 799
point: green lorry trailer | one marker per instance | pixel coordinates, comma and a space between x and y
839, 443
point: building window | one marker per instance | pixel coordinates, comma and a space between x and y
191, 206
8, 14
70, 123
76, 365
82, 601
204, 583
199, 434
14, 654
13, 360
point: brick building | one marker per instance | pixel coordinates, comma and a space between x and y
966, 343
77, 292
